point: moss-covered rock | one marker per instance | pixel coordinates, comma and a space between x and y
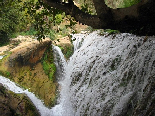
23, 66
12, 104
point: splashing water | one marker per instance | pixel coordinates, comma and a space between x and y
106, 76
1, 57
108, 73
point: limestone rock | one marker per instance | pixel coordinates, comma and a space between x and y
28, 53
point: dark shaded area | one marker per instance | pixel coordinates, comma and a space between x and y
141, 25
4, 39
12, 104
137, 19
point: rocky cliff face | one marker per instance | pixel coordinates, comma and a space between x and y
23, 66
12, 104
28, 52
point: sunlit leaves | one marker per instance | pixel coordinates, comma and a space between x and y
43, 16
8, 16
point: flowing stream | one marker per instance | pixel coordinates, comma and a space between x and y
106, 76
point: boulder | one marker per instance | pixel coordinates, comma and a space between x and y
28, 52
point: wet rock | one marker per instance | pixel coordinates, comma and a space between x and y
12, 104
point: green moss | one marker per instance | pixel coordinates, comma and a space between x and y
115, 63
110, 31
67, 50
48, 64
30, 77
5, 73
128, 3
120, 3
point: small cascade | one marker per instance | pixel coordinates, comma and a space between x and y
60, 62
14, 88
64, 108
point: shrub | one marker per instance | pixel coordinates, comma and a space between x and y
4, 39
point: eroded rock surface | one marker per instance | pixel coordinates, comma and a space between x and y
28, 52
23, 66
12, 104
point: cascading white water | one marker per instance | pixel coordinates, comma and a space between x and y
60, 62
77, 40
64, 107
109, 71
106, 75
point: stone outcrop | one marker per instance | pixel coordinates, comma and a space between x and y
28, 52
23, 66
12, 104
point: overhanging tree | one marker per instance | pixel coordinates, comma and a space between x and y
138, 18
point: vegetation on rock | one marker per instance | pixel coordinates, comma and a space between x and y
67, 50
48, 64
12, 104
29, 73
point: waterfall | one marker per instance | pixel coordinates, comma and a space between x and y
78, 40
60, 62
64, 108
109, 75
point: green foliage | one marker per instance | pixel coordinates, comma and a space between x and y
8, 21
71, 20
31, 17
85, 8
8, 17
58, 18
110, 31
44, 17
48, 64
4, 39
18, 16
12, 19
67, 50
31, 32
120, 3
128, 3
52, 35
